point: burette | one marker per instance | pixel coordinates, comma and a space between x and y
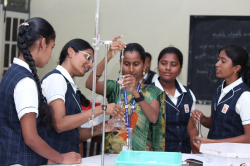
97, 43
125, 100
96, 39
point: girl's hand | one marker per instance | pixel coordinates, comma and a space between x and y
116, 46
114, 110
129, 83
71, 158
50, 162
202, 141
196, 116
109, 128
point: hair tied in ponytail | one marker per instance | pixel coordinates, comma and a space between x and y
84, 101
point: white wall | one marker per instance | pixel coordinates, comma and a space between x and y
154, 24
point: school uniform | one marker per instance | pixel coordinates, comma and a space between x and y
230, 110
175, 118
18, 96
58, 84
150, 77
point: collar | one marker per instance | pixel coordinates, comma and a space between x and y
21, 63
145, 76
231, 86
66, 74
178, 91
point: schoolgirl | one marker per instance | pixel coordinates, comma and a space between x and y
65, 98
177, 104
230, 117
150, 76
23, 110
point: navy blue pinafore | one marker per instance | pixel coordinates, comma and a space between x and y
67, 141
177, 118
226, 122
13, 149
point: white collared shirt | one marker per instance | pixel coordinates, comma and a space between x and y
55, 86
242, 105
25, 93
153, 79
174, 98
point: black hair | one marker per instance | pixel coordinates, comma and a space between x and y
173, 50
29, 32
135, 47
148, 55
239, 56
77, 45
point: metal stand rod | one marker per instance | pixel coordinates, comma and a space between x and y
94, 65
104, 106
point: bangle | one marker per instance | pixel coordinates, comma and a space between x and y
98, 76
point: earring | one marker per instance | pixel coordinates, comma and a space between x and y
70, 56
143, 73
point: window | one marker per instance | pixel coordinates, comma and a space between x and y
8, 44
16, 5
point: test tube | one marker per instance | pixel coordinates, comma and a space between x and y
120, 87
199, 131
120, 78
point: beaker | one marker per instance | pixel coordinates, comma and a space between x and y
118, 122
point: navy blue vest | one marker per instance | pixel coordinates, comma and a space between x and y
69, 140
226, 123
13, 149
149, 77
176, 137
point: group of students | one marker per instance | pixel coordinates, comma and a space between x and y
40, 121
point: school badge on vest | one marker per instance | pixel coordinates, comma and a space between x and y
186, 108
225, 108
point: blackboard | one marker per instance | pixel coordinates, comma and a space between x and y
207, 35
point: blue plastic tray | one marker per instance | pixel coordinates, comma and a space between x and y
149, 158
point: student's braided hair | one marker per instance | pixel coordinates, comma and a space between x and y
29, 32
239, 56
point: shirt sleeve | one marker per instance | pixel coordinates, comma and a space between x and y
242, 108
152, 93
54, 87
26, 97
194, 101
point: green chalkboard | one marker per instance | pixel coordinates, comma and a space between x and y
207, 35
